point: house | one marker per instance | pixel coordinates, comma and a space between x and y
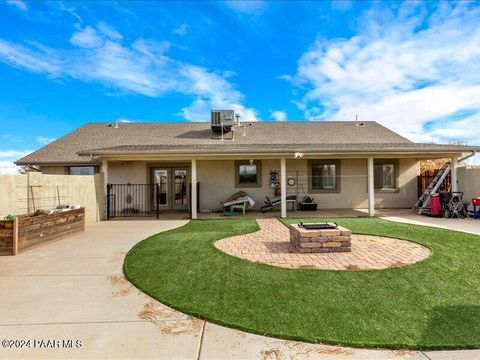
342, 164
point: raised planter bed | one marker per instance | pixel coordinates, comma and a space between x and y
27, 230
8, 237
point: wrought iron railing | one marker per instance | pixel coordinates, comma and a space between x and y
139, 200
132, 200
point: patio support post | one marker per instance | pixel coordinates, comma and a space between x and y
193, 200
454, 162
283, 186
104, 170
371, 188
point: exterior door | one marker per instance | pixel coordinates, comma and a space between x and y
161, 177
179, 191
172, 188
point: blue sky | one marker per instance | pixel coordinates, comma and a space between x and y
413, 66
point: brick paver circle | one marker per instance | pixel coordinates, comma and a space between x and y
271, 245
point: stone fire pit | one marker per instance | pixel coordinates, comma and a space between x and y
335, 239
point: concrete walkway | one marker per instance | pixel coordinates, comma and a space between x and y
467, 225
73, 289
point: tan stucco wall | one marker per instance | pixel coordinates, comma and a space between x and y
54, 170
133, 172
217, 182
16, 193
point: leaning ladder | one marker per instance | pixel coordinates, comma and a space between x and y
423, 201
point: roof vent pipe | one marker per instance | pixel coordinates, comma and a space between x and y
356, 119
116, 124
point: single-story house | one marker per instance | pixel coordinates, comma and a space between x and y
342, 164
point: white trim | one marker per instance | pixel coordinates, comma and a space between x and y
371, 187
194, 189
454, 162
283, 186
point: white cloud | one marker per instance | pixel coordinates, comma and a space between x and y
7, 157
180, 30
8, 168
417, 74
35, 60
44, 140
279, 115
4, 154
86, 38
69, 10
141, 67
212, 91
109, 31
19, 4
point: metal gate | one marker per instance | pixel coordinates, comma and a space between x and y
132, 200
138, 200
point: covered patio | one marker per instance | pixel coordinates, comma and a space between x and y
347, 185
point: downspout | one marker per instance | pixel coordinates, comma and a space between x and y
468, 156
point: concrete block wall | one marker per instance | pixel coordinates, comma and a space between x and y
22, 194
469, 181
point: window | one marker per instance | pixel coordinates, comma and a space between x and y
248, 174
384, 174
81, 170
324, 176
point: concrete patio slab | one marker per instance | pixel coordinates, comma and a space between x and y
453, 355
73, 299
73, 289
107, 340
218, 341
468, 225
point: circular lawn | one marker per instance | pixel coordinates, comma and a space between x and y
433, 304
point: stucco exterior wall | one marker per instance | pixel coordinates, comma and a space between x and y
133, 172
54, 170
217, 182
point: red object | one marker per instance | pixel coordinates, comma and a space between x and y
435, 205
476, 201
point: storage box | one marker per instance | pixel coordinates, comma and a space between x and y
308, 206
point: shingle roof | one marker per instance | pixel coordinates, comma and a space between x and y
268, 148
319, 136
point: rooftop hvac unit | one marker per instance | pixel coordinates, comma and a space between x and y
221, 118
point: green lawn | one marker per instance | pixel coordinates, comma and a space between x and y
434, 304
